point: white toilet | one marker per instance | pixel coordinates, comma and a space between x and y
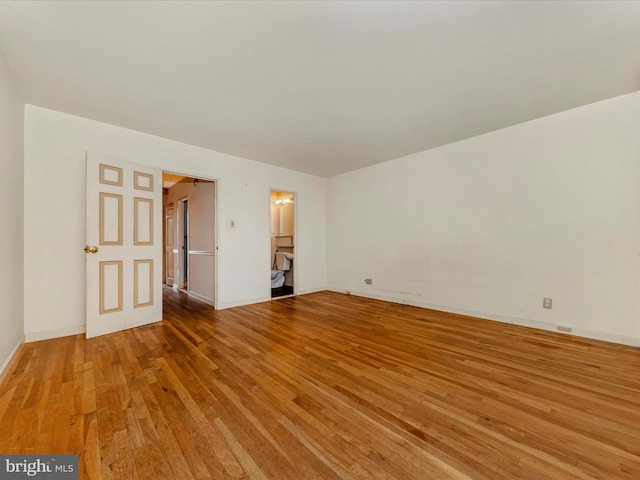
282, 263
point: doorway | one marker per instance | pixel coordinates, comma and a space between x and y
282, 206
191, 236
183, 244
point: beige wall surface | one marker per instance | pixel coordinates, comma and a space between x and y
11, 216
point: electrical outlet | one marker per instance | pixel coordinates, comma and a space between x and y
232, 223
348, 292
368, 281
546, 302
562, 328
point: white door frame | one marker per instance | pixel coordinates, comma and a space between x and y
183, 250
165, 245
295, 235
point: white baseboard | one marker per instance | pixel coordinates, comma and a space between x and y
241, 303
202, 298
62, 332
250, 301
523, 322
311, 290
8, 363
604, 336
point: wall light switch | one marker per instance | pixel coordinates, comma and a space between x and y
233, 224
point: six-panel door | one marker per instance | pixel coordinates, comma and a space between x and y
124, 222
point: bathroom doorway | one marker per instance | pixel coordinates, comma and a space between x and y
283, 216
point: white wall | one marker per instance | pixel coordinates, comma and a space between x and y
11, 227
486, 226
491, 225
54, 217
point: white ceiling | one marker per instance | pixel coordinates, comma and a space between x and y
322, 87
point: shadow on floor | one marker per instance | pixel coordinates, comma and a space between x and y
281, 291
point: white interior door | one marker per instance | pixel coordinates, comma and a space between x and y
170, 247
124, 245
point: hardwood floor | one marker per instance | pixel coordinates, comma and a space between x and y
327, 386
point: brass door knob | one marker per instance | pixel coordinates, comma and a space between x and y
89, 249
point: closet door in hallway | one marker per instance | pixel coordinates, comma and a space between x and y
170, 248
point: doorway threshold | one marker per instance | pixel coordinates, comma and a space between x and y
282, 291
280, 297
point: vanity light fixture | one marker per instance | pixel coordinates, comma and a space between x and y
284, 201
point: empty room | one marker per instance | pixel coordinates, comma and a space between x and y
320, 240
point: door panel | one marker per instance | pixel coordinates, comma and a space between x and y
170, 247
124, 221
